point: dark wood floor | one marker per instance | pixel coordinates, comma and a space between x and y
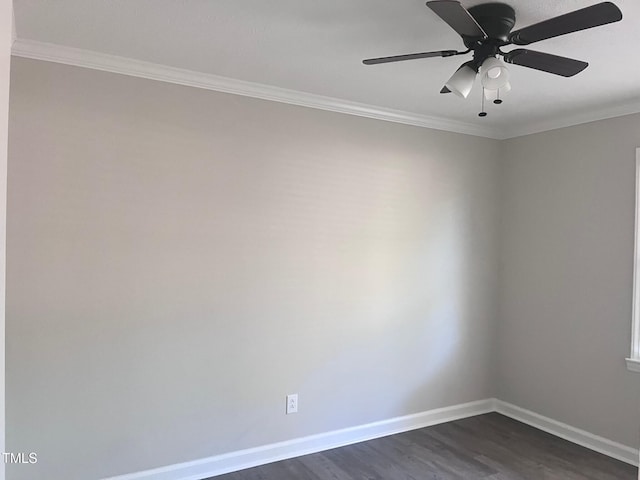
489, 447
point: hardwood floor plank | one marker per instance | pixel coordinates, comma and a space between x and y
485, 447
453, 457
324, 467
414, 461
350, 462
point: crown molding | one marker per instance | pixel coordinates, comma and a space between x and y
127, 66
137, 68
570, 120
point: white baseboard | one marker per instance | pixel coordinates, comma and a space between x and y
230, 462
567, 432
252, 457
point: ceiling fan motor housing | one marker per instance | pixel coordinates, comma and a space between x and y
496, 19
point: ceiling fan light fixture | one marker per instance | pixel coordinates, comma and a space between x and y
461, 82
494, 74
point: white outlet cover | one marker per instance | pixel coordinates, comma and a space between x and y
292, 403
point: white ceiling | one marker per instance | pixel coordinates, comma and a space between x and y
317, 47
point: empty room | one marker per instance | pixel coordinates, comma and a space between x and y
335, 240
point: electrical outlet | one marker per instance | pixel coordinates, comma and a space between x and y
292, 403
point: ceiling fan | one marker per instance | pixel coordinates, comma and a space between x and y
486, 28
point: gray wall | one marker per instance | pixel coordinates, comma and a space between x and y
566, 274
179, 260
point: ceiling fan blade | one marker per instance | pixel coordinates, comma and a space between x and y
593, 16
445, 90
411, 56
457, 17
566, 67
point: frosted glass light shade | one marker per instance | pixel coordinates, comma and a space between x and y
492, 95
461, 82
493, 74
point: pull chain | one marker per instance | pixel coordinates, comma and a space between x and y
498, 100
482, 113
